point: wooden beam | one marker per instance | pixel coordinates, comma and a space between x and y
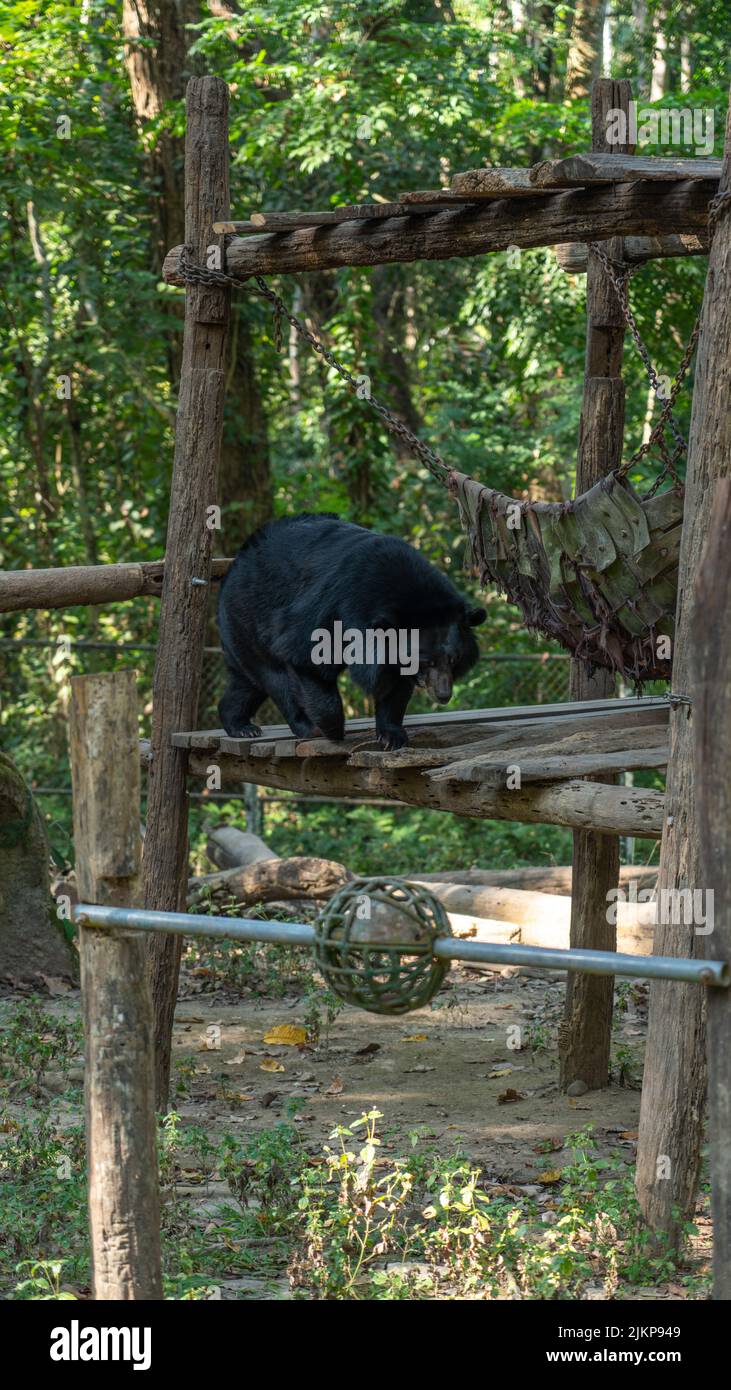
635, 209
610, 810
601, 166
124, 1205
586, 1031
86, 584
573, 257
184, 605
711, 666
671, 1114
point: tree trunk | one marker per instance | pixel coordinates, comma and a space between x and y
712, 706
586, 1032
184, 606
582, 63
671, 1114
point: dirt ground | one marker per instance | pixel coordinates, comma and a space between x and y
454, 1069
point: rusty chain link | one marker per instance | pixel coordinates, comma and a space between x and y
619, 274
195, 274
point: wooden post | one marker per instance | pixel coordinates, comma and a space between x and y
184, 601
586, 1030
124, 1212
671, 1113
711, 659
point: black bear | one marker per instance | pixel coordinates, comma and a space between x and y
310, 595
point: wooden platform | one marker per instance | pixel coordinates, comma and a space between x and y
517, 763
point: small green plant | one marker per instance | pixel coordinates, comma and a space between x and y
43, 1282
35, 1041
321, 1010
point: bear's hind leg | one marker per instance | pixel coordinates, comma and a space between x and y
239, 704
322, 705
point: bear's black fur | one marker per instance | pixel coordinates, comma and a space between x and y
303, 575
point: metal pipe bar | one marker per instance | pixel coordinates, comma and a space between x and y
704, 972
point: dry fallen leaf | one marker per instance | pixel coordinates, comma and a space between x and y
336, 1087
416, 1037
421, 1067
551, 1175
287, 1035
510, 1095
369, 1047
269, 1064
234, 1061
501, 1071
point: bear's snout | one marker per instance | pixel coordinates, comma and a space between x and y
438, 684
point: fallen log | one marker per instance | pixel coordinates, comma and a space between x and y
267, 880
541, 914
230, 848
549, 878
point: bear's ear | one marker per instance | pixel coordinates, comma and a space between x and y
476, 616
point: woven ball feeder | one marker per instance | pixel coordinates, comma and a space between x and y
373, 945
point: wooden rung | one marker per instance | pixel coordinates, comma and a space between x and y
581, 169
441, 198
480, 184
276, 222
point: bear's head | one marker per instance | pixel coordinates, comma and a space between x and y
447, 651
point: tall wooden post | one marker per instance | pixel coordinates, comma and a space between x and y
586, 1030
711, 660
671, 1114
184, 602
124, 1212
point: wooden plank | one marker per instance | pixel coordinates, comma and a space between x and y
589, 214
366, 212
580, 170
494, 183
711, 667
496, 771
482, 724
124, 1206
184, 605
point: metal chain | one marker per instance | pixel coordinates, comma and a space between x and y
195, 274
619, 275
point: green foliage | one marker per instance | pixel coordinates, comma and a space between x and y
332, 102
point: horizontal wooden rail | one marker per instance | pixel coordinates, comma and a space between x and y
585, 214
84, 584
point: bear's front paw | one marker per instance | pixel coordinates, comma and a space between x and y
247, 731
393, 739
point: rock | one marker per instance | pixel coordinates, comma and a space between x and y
577, 1088
32, 943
